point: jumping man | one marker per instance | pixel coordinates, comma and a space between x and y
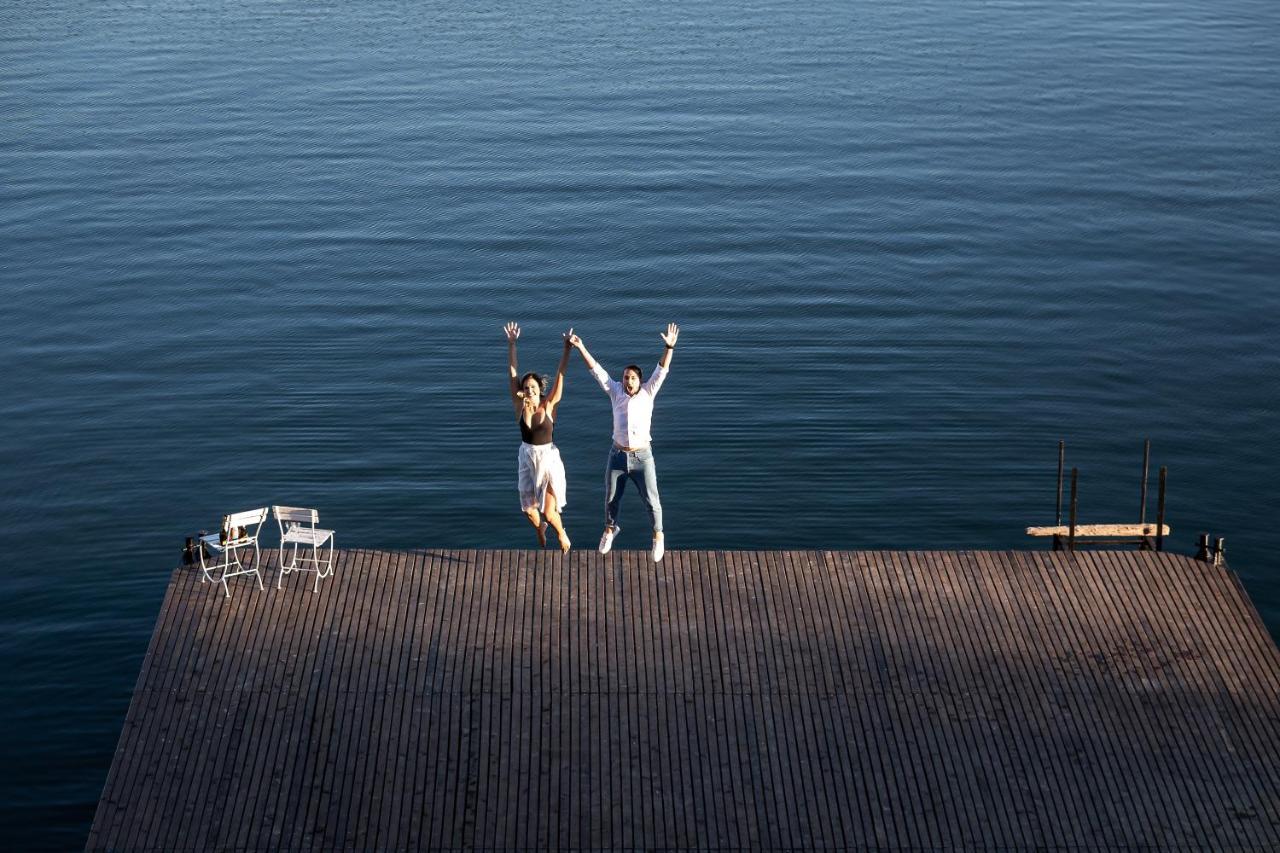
631, 456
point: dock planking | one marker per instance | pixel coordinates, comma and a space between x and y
716, 700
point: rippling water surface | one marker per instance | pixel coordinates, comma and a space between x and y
258, 252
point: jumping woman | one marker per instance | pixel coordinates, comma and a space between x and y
542, 481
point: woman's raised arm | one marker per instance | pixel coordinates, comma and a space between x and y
558, 391
513, 370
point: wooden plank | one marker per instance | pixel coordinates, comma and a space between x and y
798, 710
398, 816
715, 807
315, 774
988, 597
289, 712
492, 686
777, 677
852, 760
946, 656
910, 698
514, 766
287, 805
738, 736
859, 757
384, 778
358, 739
1129, 531
966, 634
330, 799
837, 824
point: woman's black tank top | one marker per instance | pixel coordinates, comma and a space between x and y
539, 433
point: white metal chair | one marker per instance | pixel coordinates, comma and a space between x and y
239, 533
302, 533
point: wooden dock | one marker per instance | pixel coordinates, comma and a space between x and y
718, 700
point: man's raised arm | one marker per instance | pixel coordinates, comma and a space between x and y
664, 363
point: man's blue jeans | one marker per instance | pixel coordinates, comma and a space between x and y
638, 467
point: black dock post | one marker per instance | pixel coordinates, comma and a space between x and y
1202, 548
1062, 455
1071, 535
1164, 475
1146, 471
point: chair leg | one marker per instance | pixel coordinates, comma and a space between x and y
257, 565
226, 567
205, 568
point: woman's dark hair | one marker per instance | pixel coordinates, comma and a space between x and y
636, 368
539, 378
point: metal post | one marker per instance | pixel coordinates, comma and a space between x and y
1071, 535
1146, 471
1062, 455
1202, 548
1219, 551
1164, 475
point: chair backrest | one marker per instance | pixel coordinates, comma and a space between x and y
249, 518
295, 515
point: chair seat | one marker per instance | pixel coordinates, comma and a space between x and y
211, 539
305, 536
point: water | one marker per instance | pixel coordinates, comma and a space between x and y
259, 252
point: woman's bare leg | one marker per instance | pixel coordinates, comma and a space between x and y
536, 520
551, 511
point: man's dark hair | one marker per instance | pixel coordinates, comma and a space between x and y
636, 368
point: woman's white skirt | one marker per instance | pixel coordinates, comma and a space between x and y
541, 469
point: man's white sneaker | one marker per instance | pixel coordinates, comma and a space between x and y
606, 538
658, 548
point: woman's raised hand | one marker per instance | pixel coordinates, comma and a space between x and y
572, 340
673, 332
512, 330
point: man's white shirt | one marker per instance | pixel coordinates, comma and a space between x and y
632, 416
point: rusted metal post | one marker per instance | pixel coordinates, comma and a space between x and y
1062, 456
1146, 472
1202, 548
1071, 535
1164, 475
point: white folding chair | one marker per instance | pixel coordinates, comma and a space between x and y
239, 533
302, 533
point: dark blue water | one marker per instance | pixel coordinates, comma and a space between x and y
258, 252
